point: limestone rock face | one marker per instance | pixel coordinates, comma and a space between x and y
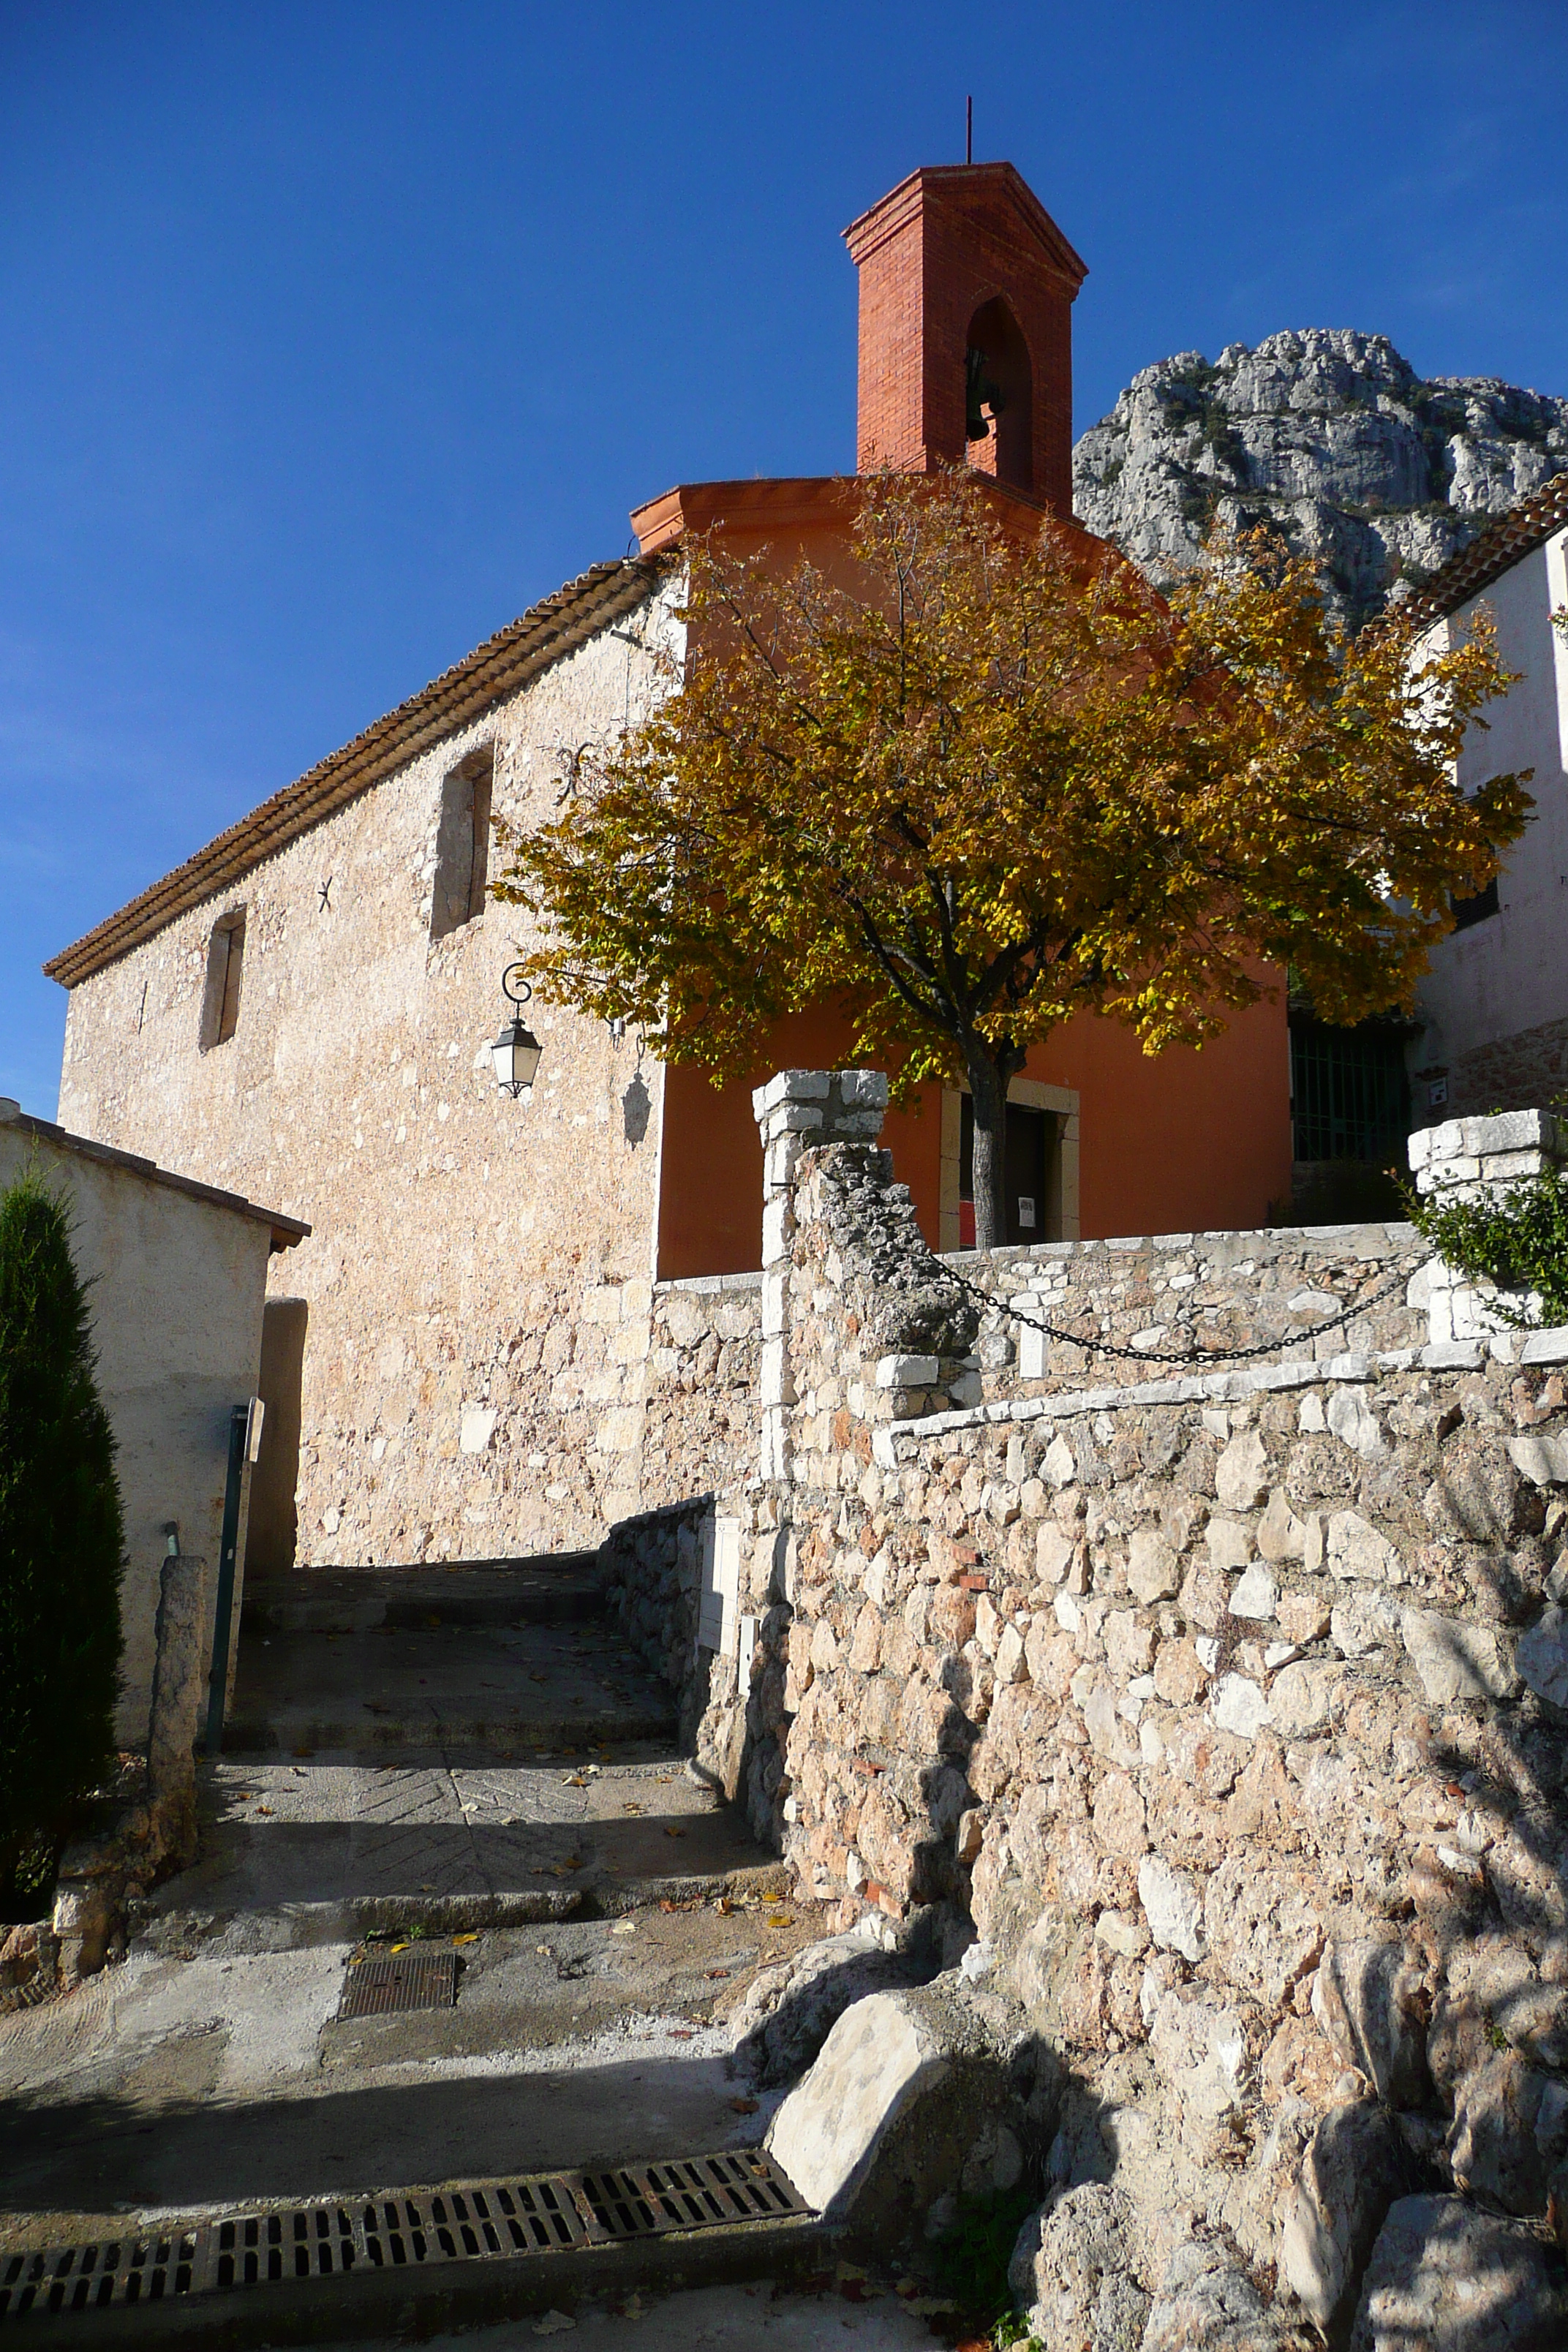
1327, 434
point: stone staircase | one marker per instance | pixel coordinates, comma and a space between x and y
447, 1749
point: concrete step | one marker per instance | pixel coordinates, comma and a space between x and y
298, 1855
498, 1690
554, 1587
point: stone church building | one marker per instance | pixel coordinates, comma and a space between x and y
464, 1350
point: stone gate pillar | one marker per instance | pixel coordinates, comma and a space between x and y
796, 1109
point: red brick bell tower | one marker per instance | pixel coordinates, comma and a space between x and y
966, 294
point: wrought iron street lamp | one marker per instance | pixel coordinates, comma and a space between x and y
516, 1052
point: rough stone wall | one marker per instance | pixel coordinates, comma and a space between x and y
698, 1453
1169, 1301
1511, 1073
1233, 1707
480, 1278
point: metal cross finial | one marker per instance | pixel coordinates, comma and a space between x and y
969, 130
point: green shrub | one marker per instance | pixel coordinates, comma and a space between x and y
61, 1543
1517, 1238
971, 2265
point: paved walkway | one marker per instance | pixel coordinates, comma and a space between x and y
520, 1795
732, 2318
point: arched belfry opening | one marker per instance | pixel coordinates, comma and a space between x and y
966, 294
998, 396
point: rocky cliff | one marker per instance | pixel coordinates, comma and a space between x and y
1327, 434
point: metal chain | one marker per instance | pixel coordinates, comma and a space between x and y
1194, 1355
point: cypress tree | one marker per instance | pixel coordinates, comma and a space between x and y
61, 1543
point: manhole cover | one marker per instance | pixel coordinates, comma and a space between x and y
398, 1981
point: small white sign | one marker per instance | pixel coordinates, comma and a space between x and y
1026, 1209
720, 1586
1436, 1094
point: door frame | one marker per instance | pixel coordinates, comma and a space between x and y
1061, 1217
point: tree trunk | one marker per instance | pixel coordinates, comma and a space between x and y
988, 1076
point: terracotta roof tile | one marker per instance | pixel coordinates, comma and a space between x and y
1501, 545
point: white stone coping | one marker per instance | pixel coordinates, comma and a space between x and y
708, 1286
1444, 1356
1469, 1139
1368, 1238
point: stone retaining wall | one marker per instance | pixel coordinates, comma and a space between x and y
1232, 1705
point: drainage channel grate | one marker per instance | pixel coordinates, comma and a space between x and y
546, 2212
387, 1981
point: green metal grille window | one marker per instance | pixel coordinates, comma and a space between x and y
1350, 1096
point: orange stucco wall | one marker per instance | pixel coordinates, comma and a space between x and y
1187, 1142
1190, 1141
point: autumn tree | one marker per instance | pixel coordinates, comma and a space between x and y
994, 781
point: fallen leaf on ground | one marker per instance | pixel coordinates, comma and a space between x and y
715, 1972
683, 2034
745, 2107
780, 1919
554, 2323
465, 1939
624, 1927
669, 1832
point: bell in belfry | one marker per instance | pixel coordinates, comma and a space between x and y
980, 393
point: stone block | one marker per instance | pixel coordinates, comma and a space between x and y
1366, 1998
893, 2102
1257, 1594
1230, 1544
862, 1089
1542, 1656
476, 1428
1207, 2303
1546, 1347
1238, 1707
1355, 2165
1303, 1697
1351, 1418
1510, 2132
907, 1371
1542, 1460
1459, 1660
1073, 2272
1153, 1570
1241, 1473
1354, 1548
1173, 1906
790, 1086
1281, 1534
1365, 1621
1446, 2277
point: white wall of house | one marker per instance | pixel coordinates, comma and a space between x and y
1495, 1004
177, 1287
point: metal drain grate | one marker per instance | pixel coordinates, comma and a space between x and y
398, 1980
547, 2212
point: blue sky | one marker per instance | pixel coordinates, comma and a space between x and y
333, 335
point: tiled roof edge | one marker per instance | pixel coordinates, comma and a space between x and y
1502, 544
543, 635
285, 1231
